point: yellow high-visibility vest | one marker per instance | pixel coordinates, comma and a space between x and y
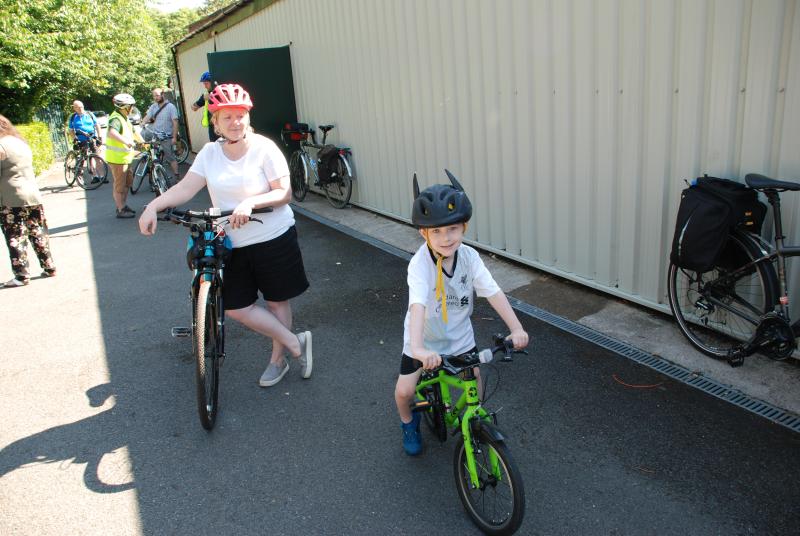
116, 152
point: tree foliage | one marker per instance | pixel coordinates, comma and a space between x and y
54, 51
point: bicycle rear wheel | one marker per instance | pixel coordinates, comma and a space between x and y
720, 309
140, 172
161, 180
497, 505
69, 167
297, 176
340, 187
207, 342
434, 415
92, 173
181, 150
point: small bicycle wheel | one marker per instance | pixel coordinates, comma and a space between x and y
161, 180
434, 415
207, 350
181, 150
297, 176
720, 309
140, 172
340, 187
497, 505
69, 167
92, 172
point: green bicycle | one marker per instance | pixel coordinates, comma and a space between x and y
488, 481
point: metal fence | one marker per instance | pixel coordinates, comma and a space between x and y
53, 117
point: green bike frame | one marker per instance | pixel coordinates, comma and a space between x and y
466, 410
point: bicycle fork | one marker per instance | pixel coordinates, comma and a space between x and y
471, 425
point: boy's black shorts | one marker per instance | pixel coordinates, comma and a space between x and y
409, 365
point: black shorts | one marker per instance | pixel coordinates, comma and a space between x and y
409, 365
274, 267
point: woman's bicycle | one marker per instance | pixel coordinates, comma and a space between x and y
84, 166
209, 249
327, 168
741, 305
488, 481
150, 166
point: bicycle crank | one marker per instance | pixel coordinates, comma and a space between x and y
776, 337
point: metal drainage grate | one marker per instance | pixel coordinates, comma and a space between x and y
676, 372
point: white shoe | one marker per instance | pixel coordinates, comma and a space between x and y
16, 283
273, 374
306, 354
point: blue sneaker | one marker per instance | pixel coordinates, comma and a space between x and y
412, 439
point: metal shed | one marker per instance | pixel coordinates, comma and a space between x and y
571, 123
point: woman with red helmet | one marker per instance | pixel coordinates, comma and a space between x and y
244, 171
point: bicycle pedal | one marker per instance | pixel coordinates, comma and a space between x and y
181, 332
420, 405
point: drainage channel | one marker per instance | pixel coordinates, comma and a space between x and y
676, 372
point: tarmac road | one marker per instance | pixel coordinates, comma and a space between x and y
100, 433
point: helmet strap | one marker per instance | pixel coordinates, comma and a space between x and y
441, 295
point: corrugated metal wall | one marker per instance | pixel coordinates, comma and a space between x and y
571, 123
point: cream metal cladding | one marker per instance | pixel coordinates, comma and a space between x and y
571, 123
192, 63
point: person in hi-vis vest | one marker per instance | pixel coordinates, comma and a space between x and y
120, 143
202, 102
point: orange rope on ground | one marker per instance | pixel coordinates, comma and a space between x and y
635, 386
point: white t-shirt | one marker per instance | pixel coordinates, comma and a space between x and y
230, 182
470, 276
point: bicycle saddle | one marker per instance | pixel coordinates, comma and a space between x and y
325, 128
760, 182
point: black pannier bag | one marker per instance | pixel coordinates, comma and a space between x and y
326, 163
709, 210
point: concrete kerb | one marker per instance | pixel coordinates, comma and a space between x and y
776, 383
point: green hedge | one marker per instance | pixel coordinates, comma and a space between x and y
38, 137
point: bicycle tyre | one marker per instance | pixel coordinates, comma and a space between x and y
206, 343
69, 167
140, 172
504, 496
181, 150
434, 415
160, 179
339, 189
84, 176
297, 176
710, 328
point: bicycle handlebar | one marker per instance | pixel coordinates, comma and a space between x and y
454, 364
185, 217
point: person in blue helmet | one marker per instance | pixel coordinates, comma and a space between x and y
202, 102
444, 275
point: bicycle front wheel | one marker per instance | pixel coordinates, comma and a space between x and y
340, 187
297, 176
497, 505
92, 173
181, 150
69, 167
160, 179
207, 349
720, 309
139, 173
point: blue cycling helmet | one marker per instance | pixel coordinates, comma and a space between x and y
206, 77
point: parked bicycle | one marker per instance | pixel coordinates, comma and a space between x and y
488, 481
209, 249
740, 305
150, 165
321, 165
83, 165
181, 147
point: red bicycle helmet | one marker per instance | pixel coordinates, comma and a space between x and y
229, 96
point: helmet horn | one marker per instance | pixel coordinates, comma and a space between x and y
453, 181
416, 187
